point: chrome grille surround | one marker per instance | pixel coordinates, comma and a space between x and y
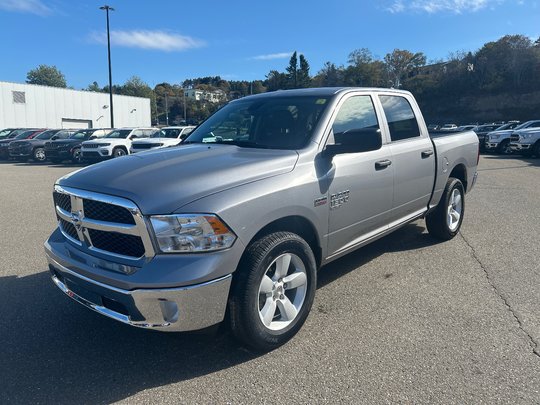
83, 224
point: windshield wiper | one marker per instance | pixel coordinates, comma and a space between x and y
245, 144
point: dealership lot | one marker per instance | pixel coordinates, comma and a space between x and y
404, 319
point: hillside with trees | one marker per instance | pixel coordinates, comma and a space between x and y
499, 81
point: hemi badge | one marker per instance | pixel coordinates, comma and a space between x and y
320, 201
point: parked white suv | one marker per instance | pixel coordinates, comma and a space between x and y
115, 144
499, 140
168, 136
526, 142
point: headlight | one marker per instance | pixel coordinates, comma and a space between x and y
185, 233
526, 136
494, 136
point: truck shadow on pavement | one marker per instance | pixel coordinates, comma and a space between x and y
54, 350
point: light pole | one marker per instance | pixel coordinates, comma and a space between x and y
107, 8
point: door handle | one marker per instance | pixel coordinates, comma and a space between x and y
382, 164
427, 153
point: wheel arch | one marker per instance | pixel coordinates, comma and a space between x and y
460, 172
297, 224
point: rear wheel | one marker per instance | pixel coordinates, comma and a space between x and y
273, 290
118, 152
445, 221
39, 155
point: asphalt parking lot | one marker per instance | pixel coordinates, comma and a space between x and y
405, 319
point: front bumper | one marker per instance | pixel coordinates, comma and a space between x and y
172, 309
58, 154
520, 146
492, 145
97, 153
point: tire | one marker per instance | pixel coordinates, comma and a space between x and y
264, 312
39, 155
445, 221
537, 149
76, 156
504, 147
118, 152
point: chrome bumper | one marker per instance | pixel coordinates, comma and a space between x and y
520, 146
172, 309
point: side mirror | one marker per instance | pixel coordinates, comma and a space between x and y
92, 137
132, 137
54, 137
183, 136
354, 141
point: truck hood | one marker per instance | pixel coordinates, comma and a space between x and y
162, 181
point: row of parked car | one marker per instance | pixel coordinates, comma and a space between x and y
60, 145
503, 138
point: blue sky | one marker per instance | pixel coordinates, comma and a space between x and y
240, 40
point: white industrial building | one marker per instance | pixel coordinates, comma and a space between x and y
33, 106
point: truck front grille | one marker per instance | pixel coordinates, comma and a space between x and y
107, 212
62, 200
68, 228
125, 245
107, 224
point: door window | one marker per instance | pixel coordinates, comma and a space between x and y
356, 113
402, 122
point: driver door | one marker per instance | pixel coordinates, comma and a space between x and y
361, 184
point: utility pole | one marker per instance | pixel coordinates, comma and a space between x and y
107, 8
167, 109
184, 94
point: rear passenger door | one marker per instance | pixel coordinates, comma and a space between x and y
361, 184
413, 157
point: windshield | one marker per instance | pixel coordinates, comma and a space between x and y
525, 124
47, 134
167, 133
81, 135
272, 122
119, 133
5, 132
25, 134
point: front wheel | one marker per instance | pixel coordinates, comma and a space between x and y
504, 147
445, 221
118, 152
537, 149
39, 155
273, 290
76, 155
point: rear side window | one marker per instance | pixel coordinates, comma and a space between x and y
400, 116
356, 113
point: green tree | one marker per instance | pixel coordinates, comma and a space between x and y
94, 87
329, 76
292, 72
276, 81
400, 63
47, 76
303, 78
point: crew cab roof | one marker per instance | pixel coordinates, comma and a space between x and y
319, 91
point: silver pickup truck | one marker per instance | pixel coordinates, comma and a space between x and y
243, 214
